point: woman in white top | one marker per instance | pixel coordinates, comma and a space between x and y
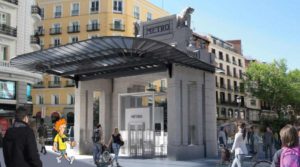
239, 145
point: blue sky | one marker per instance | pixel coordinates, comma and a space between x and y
269, 29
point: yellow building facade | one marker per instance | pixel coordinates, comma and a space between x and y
68, 21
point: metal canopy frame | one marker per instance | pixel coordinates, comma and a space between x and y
107, 57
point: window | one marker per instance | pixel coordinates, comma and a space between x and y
118, 6
56, 41
118, 25
136, 12
149, 16
71, 99
92, 36
222, 82
221, 66
240, 62
58, 11
234, 72
241, 74
229, 97
75, 27
233, 60
217, 97
94, 6
253, 102
227, 58
222, 97
228, 70
54, 99
228, 83
39, 99
4, 18
93, 26
42, 13
75, 9
74, 39
213, 51
221, 55
56, 79
3, 53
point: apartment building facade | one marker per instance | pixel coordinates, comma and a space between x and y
17, 22
230, 94
69, 21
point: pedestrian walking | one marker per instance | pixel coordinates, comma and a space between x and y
19, 144
116, 141
97, 139
42, 131
71, 135
290, 155
268, 141
250, 140
239, 145
222, 137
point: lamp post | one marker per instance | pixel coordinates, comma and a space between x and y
238, 100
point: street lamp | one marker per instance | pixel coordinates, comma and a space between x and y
238, 100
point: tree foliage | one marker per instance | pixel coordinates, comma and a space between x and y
272, 83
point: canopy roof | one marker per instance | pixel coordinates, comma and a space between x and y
107, 57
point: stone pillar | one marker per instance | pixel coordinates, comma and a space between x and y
83, 127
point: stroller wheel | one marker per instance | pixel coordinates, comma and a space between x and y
106, 156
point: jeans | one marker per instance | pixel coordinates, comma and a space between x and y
116, 148
268, 149
97, 152
238, 161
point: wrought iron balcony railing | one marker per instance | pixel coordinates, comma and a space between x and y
12, 1
55, 31
73, 29
117, 27
8, 30
36, 10
93, 27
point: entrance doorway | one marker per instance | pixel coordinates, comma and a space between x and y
142, 123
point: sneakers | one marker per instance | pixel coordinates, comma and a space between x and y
72, 160
58, 160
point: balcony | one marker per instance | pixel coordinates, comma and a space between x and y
39, 32
8, 30
236, 89
117, 27
4, 63
55, 31
36, 10
94, 10
54, 84
70, 84
34, 40
74, 29
151, 87
12, 1
54, 45
93, 27
38, 85
75, 12
223, 86
230, 87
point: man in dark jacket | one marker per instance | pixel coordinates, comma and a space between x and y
19, 145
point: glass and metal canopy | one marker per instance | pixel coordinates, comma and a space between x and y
107, 57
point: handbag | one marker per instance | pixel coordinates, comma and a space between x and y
121, 143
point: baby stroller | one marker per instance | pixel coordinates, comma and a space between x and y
225, 154
106, 159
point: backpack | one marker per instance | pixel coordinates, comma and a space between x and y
290, 157
96, 136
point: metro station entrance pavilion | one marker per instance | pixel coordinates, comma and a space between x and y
160, 96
